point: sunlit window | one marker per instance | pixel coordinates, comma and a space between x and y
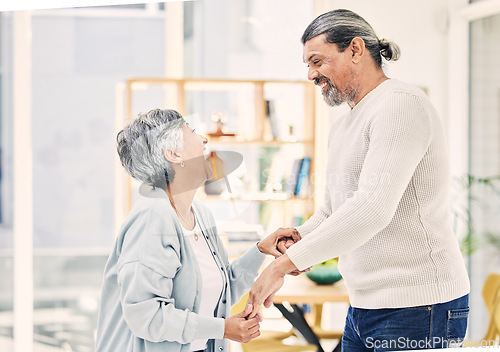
484, 160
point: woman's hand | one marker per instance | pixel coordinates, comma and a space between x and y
240, 329
269, 282
279, 241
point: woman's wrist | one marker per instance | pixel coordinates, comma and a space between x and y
282, 266
259, 247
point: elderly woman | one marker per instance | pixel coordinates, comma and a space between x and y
168, 285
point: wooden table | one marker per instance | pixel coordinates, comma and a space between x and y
300, 290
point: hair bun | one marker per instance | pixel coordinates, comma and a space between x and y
389, 50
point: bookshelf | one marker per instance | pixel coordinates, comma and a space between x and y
274, 118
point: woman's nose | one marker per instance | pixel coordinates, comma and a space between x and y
204, 139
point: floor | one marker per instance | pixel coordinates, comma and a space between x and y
333, 318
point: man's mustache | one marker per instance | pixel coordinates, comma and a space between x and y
319, 80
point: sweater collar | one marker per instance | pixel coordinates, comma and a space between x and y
372, 94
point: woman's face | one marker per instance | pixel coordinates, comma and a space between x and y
194, 153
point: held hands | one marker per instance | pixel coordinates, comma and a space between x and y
269, 282
272, 278
279, 241
242, 328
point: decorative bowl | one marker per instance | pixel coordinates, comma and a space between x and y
324, 274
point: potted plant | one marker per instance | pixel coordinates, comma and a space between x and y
467, 192
325, 273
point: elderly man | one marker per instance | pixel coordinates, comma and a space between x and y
386, 212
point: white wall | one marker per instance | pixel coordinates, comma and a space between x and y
77, 62
418, 27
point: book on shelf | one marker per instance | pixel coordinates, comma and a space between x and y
271, 117
303, 177
291, 184
298, 181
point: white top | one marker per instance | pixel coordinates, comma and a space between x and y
387, 207
211, 287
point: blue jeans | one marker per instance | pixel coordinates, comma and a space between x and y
434, 326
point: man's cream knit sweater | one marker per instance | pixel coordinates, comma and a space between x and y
387, 208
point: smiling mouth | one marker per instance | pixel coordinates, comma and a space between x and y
323, 84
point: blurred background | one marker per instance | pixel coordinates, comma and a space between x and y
63, 97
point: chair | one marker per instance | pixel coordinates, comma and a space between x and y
269, 341
491, 296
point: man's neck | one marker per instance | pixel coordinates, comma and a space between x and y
370, 82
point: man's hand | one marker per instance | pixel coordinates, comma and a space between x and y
284, 244
279, 241
269, 282
241, 328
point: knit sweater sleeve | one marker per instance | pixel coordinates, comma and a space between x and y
399, 135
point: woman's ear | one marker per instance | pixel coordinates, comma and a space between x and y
357, 48
172, 156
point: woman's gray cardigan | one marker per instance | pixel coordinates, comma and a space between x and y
150, 295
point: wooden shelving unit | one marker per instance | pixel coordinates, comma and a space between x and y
259, 136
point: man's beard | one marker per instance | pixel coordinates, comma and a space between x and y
335, 97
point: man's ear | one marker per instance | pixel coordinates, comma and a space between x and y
172, 156
358, 49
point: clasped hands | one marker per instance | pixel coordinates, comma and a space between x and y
266, 285
279, 241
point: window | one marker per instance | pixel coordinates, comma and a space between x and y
6, 235
484, 158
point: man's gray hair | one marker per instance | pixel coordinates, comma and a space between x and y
342, 26
141, 145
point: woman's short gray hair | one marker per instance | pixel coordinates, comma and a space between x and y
342, 26
141, 145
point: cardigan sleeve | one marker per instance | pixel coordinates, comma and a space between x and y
146, 285
400, 136
243, 271
150, 312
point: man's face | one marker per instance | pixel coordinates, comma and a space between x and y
332, 70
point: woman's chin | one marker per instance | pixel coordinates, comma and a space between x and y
210, 171
210, 174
